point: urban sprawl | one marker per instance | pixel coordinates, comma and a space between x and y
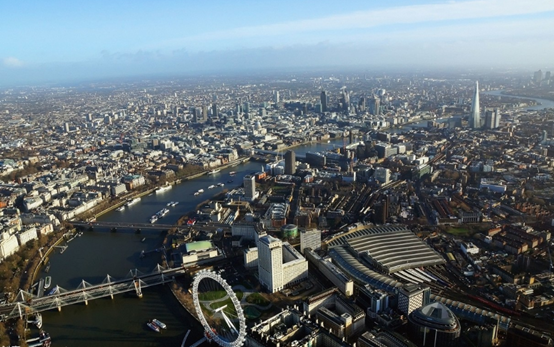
427, 222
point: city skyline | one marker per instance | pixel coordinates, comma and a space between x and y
61, 42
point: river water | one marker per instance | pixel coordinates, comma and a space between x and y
122, 321
543, 102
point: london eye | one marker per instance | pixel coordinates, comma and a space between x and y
218, 309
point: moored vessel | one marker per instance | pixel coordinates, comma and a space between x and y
159, 323
153, 326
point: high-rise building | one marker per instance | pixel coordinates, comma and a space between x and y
475, 119
277, 97
215, 111
361, 104
66, 127
279, 264
382, 175
205, 113
537, 76
374, 106
310, 239
324, 101
249, 182
246, 107
412, 297
270, 263
492, 119
290, 163
434, 325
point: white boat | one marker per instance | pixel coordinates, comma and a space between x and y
159, 324
172, 203
153, 219
120, 208
232, 173
132, 202
162, 212
200, 191
212, 186
163, 189
196, 193
47, 282
214, 171
220, 184
153, 326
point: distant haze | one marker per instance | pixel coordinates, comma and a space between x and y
65, 40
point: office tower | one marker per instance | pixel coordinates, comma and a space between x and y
475, 119
197, 114
412, 297
270, 263
547, 75
66, 127
215, 111
497, 118
345, 99
310, 239
89, 117
277, 97
246, 107
374, 106
205, 113
434, 325
249, 182
492, 119
290, 163
279, 264
382, 175
324, 101
361, 104
537, 77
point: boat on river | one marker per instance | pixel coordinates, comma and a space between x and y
47, 282
160, 324
153, 326
163, 189
232, 173
120, 208
220, 184
132, 202
214, 171
211, 186
153, 219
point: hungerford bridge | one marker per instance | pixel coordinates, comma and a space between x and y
27, 303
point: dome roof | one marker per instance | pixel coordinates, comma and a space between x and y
435, 315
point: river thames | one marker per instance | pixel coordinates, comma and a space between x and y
122, 321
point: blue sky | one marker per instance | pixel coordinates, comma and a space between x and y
65, 40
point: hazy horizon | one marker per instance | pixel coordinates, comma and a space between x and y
64, 41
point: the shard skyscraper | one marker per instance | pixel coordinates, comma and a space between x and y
475, 119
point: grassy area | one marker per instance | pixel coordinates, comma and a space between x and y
258, 299
212, 295
239, 295
459, 231
230, 309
